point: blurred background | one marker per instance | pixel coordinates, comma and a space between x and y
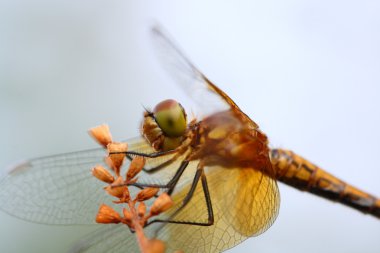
306, 71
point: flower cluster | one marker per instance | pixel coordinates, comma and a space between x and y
137, 214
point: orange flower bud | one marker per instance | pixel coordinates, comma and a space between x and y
101, 134
127, 218
136, 166
141, 209
102, 174
117, 190
127, 214
155, 246
161, 204
109, 163
126, 196
107, 214
117, 159
146, 194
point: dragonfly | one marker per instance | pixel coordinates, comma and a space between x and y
220, 171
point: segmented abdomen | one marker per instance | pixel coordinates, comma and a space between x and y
296, 171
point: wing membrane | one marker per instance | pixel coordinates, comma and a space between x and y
256, 202
208, 96
108, 238
60, 189
245, 204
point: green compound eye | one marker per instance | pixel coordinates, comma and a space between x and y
170, 117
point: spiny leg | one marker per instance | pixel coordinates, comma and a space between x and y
151, 155
206, 192
199, 174
186, 200
170, 185
158, 167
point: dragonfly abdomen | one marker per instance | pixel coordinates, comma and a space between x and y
298, 172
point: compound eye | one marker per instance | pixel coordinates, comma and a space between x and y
170, 117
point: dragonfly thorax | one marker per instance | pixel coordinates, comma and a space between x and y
227, 140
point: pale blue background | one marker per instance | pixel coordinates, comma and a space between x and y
307, 71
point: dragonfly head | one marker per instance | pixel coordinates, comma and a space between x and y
165, 127
170, 117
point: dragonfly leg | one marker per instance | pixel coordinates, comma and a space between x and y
151, 155
210, 211
178, 152
199, 175
158, 167
170, 185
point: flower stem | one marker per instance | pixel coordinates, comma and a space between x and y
141, 239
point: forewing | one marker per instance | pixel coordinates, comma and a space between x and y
60, 189
207, 95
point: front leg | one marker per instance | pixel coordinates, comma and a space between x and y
170, 186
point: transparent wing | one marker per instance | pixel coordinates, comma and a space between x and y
60, 189
245, 204
207, 95
105, 239
113, 238
118, 238
255, 203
